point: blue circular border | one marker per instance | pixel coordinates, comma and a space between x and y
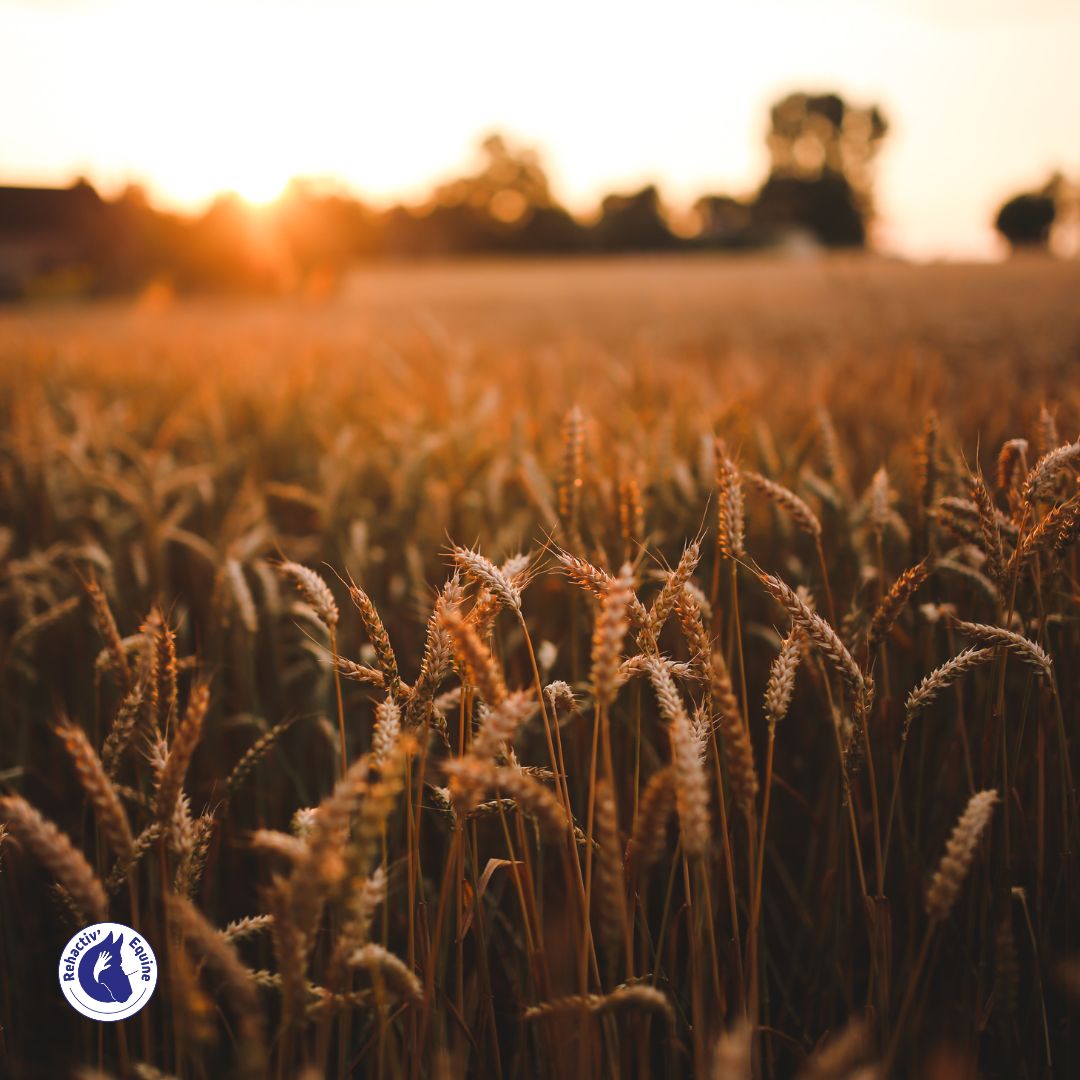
129, 1010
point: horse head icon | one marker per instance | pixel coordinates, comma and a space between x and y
101, 972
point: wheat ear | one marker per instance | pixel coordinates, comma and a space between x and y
111, 817
376, 632
790, 503
471, 776
734, 737
731, 518
781, 684
672, 590
1028, 651
571, 479
691, 784
388, 970
959, 855
612, 622
634, 998
56, 853
611, 889
180, 752
239, 984
888, 611
1040, 480
478, 667
106, 624
314, 590
487, 574
649, 840
825, 638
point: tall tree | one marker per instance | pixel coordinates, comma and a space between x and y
1026, 219
822, 151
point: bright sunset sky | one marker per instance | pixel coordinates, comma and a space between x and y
197, 96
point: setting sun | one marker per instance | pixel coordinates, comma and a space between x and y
196, 98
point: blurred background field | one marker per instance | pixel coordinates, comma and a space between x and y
176, 449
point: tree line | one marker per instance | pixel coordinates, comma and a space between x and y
818, 191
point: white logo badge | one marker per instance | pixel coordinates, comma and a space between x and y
107, 971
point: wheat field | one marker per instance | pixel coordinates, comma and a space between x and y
647, 668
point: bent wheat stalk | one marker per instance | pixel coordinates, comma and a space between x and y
943, 892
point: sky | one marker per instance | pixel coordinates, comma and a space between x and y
193, 97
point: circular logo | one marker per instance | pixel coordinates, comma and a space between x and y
107, 971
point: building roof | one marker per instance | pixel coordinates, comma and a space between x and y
37, 210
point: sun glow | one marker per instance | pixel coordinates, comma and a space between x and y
387, 96
257, 184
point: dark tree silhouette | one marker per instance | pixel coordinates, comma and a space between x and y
510, 181
505, 206
722, 221
821, 177
1026, 219
825, 206
634, 223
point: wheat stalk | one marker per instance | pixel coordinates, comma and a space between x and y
1045, 472
731, 1054
825, 638
940, 678
180, 752
38, 624
611, 889
388, 970
164, 670
830, 447
795, 507
612, 622
672, 590
959, 855
691, 783
362, 673
273, 842
254, 754
487, 574
111, 817
1028, 651
479, 668
242, 599
239, 984
894, 602
731, 521
123, 729
1057, 528
471, 776
239, 929
649, 839
991, 531
571, 479
631, 514
110, 635
387, 729
734, 737
781, 684
1011, 461
57, 854
314, 590
501, 723
376, 632
692, 623
634, 998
